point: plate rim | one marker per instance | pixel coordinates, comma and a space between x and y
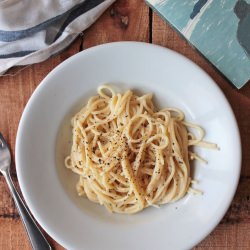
93, 49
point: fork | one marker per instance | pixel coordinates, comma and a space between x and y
36, 237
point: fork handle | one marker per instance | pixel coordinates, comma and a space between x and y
36, 237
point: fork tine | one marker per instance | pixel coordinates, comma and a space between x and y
2, 141
5, 156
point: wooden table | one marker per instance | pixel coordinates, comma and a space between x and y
125, 20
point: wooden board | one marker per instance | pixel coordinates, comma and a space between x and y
125, 20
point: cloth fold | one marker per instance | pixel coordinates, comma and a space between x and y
31, 31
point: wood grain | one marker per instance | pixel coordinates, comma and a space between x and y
125, 20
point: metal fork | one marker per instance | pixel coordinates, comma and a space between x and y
36, 237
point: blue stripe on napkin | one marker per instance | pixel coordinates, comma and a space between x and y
76, 12
17, 54
64, 19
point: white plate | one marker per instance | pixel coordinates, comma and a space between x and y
42, 143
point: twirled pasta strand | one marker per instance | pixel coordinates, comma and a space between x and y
130, 156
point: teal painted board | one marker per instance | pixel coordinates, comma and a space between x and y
219, 29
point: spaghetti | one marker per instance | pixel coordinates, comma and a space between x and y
130, 156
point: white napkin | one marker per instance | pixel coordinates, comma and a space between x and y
33, 30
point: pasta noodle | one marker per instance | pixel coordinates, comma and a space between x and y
130, 156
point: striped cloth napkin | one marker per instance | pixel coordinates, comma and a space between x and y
33, 30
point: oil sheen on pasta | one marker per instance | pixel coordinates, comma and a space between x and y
128, 155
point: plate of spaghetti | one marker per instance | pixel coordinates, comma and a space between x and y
128, 146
